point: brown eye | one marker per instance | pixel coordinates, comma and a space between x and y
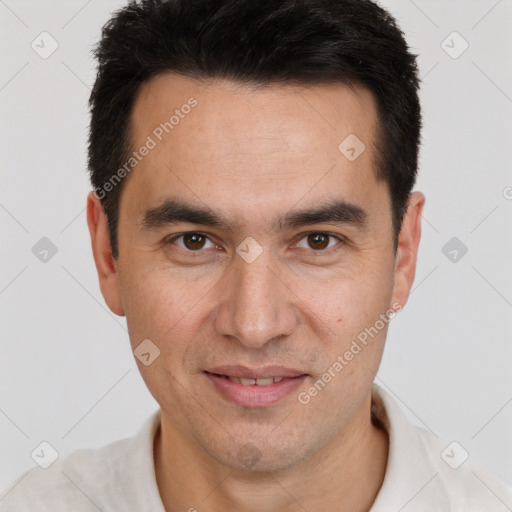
194, 241
191, 242
319, 241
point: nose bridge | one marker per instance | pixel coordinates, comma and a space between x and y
256, 307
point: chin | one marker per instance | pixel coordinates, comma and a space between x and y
254, 457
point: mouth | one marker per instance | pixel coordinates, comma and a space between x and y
252, 382
255, 387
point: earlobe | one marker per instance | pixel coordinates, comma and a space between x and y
106, 265
407, 251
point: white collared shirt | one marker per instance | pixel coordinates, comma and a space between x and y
423, 474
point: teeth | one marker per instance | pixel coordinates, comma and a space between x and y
264, 382
257, 382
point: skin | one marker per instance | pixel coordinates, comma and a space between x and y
254, 154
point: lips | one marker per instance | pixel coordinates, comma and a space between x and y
255, 387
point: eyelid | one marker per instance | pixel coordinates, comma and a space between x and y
341, 239
172, 238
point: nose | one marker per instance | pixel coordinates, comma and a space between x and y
257, 305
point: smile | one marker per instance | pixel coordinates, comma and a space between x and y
256, 391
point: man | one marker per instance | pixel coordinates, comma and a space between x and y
253, 218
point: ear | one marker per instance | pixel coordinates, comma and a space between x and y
106, 265
407, 251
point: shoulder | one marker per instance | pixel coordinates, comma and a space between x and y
67, 483
118, 476
425, 473
465, 483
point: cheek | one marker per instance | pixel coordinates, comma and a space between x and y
345, 302
159, 309
154, 305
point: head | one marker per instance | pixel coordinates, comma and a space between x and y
253, 164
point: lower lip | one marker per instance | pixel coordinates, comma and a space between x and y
255, 396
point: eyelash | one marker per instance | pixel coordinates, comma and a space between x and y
341, 240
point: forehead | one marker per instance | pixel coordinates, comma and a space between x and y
268, 144
266, 118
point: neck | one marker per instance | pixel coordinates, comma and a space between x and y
345, 475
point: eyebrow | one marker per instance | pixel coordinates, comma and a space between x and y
174, 211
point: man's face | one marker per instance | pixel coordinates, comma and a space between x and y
261, 291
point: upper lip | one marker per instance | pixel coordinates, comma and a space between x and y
243, 372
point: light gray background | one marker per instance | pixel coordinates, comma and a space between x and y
67, 372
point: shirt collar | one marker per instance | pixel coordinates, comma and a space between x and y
408, 468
